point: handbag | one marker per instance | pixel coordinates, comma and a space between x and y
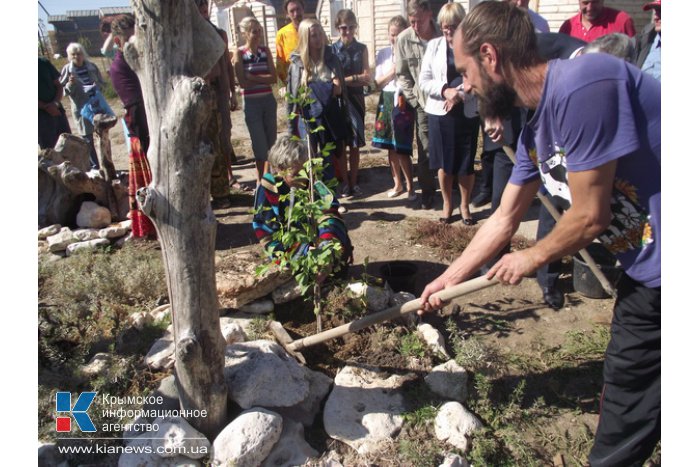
96, 104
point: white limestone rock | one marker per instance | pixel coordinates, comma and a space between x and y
48, 231
84, 235
248, 440
99, 363
161, 355
176, 437
261, 373
433, 338
113, 232
93, 216
125, 224
286, 292
377, 298
455, 424
140, 319
364, 407
142, 454
161, 313
454, 460
306, 410
90, 245
449, 381
61, 240
233, 331
291, 449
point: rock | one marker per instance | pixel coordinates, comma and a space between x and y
160, 313
99, 363
140, 319
454, 423
364, 407
237, 283
177, 437
248, 440
61, 240
286, 292
291, 449
84, 235
48, 231
142, 454
330, 459
167, 390
93, 216
433, 338
161, 355
258, 307
125, 224
113, 232
377, 298
49, 456
305, 411
453, 460
261, 373
71, 148
90, 245
449, 380
233, 332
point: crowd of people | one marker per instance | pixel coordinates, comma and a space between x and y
584, 127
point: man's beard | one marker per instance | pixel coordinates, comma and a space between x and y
498, 100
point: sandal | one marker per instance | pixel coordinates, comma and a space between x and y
468, 221
393, 193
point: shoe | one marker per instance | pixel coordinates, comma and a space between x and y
412, 196
356, 190
221, 203
469, 221
482, 199
427, 202
444, 220
553, 297
345, 191
393, 193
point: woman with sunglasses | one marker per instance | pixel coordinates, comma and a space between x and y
453, 136
354, 58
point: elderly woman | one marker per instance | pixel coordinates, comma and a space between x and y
256, 73
83, 82
286, 159
384, 135
453, 136
355, 61
314, 65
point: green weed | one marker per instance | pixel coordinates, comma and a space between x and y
410, 345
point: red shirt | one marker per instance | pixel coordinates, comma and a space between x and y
609, 21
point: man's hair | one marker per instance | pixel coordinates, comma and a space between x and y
398, 21
507, 28
122, 24
345, 16
617, 44
286, 152
414, 6
451, 13
287, 2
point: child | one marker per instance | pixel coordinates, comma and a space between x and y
286, 159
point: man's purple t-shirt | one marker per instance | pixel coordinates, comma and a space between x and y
595, 109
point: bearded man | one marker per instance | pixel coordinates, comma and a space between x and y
595, 141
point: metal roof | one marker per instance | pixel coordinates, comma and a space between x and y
115, 10
82, 13
56, 18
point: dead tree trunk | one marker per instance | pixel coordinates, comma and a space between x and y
172, 48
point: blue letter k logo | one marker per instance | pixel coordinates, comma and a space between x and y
79, 410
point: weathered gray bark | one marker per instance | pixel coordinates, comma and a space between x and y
103, 123
172, 47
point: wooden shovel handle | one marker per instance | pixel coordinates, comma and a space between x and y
394, 312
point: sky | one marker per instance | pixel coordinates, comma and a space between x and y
59, 7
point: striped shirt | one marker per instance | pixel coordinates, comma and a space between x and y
255, 64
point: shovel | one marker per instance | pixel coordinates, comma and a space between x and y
450, 293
